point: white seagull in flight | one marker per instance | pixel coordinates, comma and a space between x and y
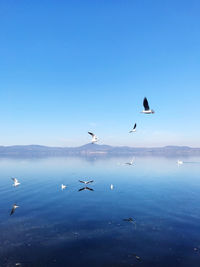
147, 109
16, 182
134, 128
94, 138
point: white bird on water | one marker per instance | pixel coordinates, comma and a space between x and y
16, 182
63, 186
111, 186
94, 138
130, 163
147, 109
179, 162
134, 128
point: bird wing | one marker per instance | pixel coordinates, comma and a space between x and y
134, 126
89, 181
83, 182
81, 189
146, 104
15, 180
91, 134
88, 188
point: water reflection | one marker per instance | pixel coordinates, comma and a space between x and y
68, 228
86, 188
14, 207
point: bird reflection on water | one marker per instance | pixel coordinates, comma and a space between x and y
85, 188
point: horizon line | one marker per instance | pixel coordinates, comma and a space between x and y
164, 146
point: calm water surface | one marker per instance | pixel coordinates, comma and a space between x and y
87, 228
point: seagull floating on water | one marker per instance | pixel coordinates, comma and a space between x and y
134, 128
180, 162
13, 209
147, 109
86, 188
129, 163
94, 138
63, 186
16, 182
86, 182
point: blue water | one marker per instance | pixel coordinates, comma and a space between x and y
87, 228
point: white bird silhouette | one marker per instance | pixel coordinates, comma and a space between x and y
147, 109
16, 182
94, 138
111, 186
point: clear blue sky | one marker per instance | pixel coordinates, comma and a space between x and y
68, 67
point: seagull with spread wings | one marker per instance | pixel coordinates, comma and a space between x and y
16, 182
134, 128
94, 138
147, 109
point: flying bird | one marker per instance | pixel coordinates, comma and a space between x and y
86, 188
94, 138
63, 186
134, 128
147, 109
13, 209
16, 182
86, 182
111, 186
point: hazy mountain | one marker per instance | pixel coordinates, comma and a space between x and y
95, 149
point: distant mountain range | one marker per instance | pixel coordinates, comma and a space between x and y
94, 150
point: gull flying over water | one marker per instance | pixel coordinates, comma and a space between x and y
86, 182
94, 138
111, 186
134, 128
86, 188
13, 209
147, 109
16, 182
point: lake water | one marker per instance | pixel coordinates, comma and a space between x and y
54, 227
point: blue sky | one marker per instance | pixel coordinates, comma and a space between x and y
68, 67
